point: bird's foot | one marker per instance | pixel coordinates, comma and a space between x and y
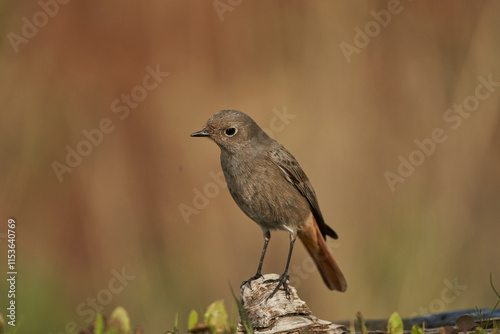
282, 280
248, 282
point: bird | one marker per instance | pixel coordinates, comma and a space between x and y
270, 187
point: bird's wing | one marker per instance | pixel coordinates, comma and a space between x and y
296, 176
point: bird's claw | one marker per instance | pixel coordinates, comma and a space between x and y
248, 282
282, 280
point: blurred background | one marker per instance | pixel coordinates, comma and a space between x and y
116, 205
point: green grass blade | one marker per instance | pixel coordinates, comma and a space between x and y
243, 313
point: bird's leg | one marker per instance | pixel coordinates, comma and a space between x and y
267, 237
282, 280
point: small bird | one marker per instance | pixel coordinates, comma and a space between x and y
270, 187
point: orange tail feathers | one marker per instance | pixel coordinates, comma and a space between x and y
312, 239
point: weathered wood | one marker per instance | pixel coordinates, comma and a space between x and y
280, 314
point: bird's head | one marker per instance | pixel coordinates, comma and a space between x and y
232, 130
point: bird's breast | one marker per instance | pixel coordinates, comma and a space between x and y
263, 193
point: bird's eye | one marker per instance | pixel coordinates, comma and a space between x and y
230, 132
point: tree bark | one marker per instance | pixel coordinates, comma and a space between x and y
280, 314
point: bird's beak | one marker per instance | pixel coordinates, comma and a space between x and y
202, 133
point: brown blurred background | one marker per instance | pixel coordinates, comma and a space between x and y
120, 207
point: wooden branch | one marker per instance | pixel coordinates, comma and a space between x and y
280, 314
291, 315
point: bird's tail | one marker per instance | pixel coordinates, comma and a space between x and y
315, 244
